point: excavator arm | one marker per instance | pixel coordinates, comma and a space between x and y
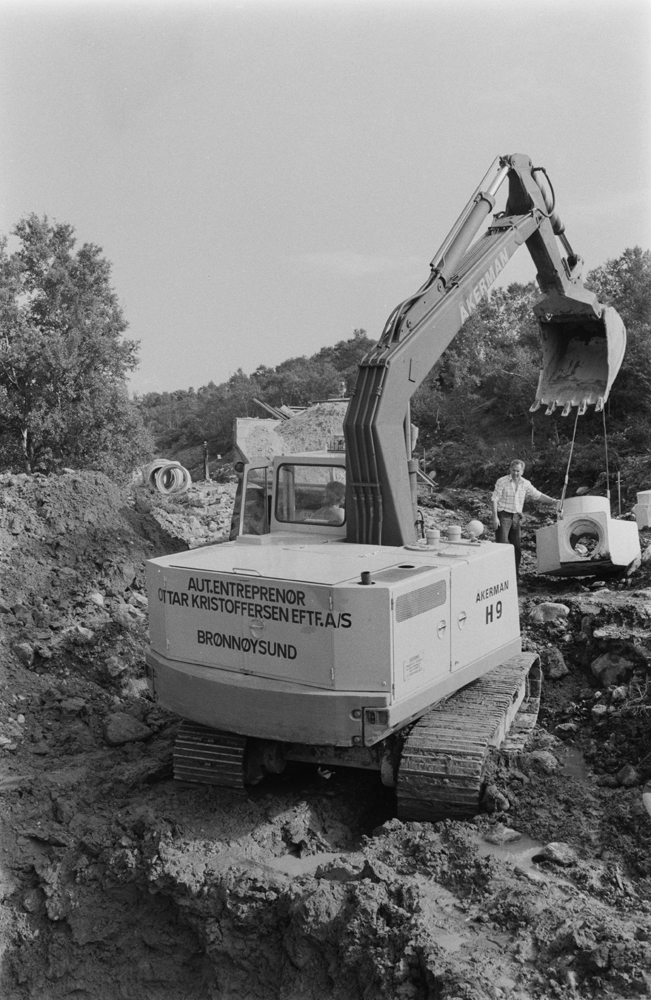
583, 342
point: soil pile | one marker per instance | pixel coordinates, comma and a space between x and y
117, 882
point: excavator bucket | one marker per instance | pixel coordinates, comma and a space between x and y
581, 358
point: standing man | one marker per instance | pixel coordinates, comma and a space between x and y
507, 502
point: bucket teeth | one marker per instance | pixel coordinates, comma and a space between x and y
550, 409
566, 409
599, 405
583, 406
535, 406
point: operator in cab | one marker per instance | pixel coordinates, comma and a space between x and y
507, 501
332, 511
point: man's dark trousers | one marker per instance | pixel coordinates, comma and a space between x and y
509, 531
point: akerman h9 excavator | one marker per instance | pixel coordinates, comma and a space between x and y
331, 632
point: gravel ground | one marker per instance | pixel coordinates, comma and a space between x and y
117, 882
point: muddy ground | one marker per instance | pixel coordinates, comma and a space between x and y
117, 882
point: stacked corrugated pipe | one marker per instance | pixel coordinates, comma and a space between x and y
166, 476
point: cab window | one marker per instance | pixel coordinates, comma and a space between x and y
311, 494
255, 517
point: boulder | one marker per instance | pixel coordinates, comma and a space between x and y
611, 668
121, 728
553, 663
544, 760
501, 834
494, 800
628, 776
115, 666
25, 652
557, 853
549, 611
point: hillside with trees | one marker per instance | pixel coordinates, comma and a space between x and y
473, 408
65, 362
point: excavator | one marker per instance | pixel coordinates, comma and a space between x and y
332, 629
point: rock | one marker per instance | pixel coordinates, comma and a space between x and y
598, 712
25, 653
97, 598
339, 871
549, 611
628, 776
120, 614
607, 781
4, 607
140, 600
599, 959
544, 760
557, 853
619, 694
553, 663
589, 609
33, 900
494, 800
501, 834
376, 871
115, 666
71, 707
121, 728
610, 668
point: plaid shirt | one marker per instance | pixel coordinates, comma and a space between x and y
511, 496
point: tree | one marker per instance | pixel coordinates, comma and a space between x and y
63, 359
490, 366
625, 283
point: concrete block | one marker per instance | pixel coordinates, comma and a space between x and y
642, 509
586, 541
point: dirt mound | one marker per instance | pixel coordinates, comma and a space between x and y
313, 428
117, 882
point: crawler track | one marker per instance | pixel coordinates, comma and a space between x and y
209, 756
441, 770
444, 756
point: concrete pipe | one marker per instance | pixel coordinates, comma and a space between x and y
166, 476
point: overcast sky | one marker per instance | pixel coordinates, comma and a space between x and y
267, 176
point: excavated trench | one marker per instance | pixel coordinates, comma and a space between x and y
117, 882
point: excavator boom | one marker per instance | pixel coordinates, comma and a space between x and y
583, 342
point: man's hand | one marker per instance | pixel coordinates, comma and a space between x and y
496, 522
